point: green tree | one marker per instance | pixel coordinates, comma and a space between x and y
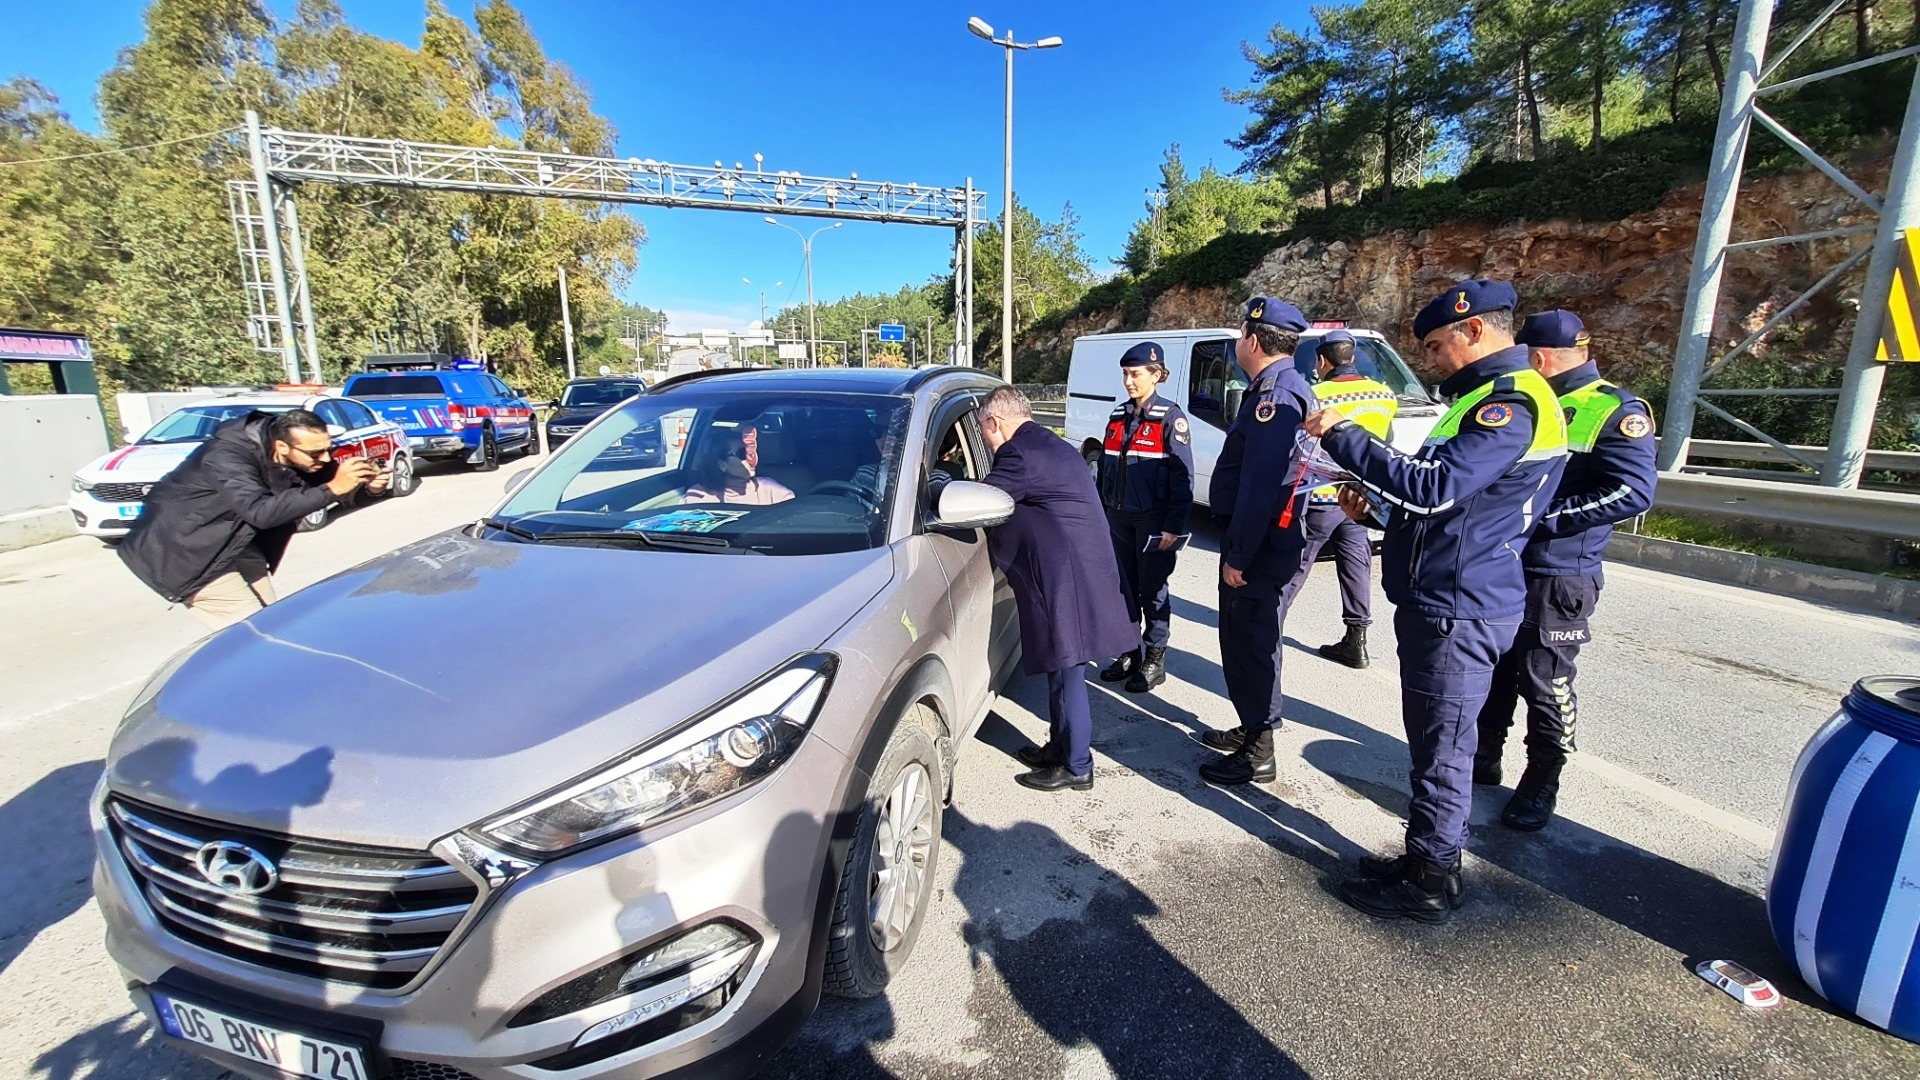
1050, 273
57, 240
1188, 212
1300, 128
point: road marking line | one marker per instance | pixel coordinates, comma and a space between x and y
65, 705
1752, 832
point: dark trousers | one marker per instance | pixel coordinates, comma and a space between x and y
1446, 669
1539, 670
1251, 621
1143, 574
1071, 738
1352, 558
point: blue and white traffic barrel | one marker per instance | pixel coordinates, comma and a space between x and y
1843, 893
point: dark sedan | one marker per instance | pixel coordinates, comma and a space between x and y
582, 402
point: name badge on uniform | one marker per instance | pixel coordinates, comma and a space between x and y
1264, 411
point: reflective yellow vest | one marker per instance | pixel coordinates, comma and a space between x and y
1364, 401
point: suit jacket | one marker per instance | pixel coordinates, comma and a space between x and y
1057, 556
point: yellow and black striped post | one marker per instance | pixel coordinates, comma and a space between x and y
1900, 336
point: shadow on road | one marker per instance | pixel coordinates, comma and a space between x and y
121, 1049
45, 876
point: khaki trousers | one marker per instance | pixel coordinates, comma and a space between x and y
236, 594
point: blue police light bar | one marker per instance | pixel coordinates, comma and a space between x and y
893, 332
468, 365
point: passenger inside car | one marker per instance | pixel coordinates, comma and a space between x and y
728, 471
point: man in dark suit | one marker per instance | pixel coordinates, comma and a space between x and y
1054, 551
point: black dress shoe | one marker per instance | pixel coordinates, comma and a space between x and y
1382, 868
1120, 669
1533, 797
1055, 778
1036, 757
1486, 773
1396, 898
1224, 739
1241, 767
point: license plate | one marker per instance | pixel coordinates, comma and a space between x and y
128, 511
289, 1051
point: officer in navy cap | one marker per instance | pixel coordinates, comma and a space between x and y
1338, 384
1146, 485
1609, 478
1459, 514
1260, 550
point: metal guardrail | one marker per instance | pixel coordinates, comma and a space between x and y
1875, 513
1722, 450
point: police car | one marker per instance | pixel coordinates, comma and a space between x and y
452, 409
110, 491
1204, 380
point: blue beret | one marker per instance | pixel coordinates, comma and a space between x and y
1275, 313
1336, 335
1463, 301
1145, 354
1556, 329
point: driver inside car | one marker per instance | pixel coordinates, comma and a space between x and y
728, 472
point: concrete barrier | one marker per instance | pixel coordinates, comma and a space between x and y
44, 439
1782, 577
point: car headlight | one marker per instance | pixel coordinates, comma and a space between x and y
81, 485
732, 746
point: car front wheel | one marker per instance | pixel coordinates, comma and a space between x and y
403, 481
489, 452
533, 442
888, 880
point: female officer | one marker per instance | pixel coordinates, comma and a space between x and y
1146, 485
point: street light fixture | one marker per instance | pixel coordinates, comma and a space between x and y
806, 250
984, 31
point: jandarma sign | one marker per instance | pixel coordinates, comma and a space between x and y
43, 345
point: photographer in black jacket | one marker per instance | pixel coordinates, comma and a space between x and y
214, 530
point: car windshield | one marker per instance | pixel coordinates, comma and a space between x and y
1374, 359
194, 423
396, 386
724, 470
582, 395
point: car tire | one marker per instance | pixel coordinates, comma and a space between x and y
888, 881
404, 481
533, 441
316, 520
489, 452
1091, 455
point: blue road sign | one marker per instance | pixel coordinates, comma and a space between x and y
893, 332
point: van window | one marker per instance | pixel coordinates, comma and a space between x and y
1210, 375
1375, 361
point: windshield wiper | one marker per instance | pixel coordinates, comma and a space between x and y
646, 539
511, 528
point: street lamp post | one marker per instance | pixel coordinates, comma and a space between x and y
763, 305
806, 251
981, 29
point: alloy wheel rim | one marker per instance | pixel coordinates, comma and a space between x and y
902, 851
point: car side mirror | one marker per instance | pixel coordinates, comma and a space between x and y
1433, 393
966, 504
335, 431
1233, 396
518, 392
517, 479
554, 404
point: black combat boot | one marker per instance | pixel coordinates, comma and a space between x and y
1251, 763
1350, 650
1534, 796
1418, 892
1486, 771
1381, 868
1226, 740
1149, 673
1120, 668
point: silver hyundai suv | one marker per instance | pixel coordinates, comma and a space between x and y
398, 826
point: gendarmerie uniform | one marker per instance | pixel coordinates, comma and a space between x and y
1609, 478
1146, 485
1459, 514
1262, 541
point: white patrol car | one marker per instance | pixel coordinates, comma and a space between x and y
109, 492
1204, 379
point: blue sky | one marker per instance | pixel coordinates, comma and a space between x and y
890, 91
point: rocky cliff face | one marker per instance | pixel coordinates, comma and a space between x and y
1627, 279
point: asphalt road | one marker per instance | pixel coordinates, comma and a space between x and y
1156, 926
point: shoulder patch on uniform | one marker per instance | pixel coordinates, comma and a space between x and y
1636, 426
1264, 411
1494, 414
1180, 424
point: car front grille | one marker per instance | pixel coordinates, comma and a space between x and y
371, 916
408, 1069
120, 492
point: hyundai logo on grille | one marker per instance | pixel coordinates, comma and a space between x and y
236, 868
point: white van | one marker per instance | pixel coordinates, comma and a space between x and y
1203, 379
